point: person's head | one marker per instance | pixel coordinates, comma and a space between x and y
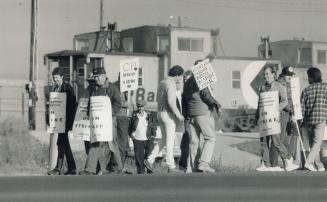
99, 75
140, 105
269, 74
58, 76
176, 72
314, 75
287, 73
197, 61
187, 75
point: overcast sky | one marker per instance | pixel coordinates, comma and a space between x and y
241, 23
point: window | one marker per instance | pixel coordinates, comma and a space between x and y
305, 55
140, 76
321, 56
188, 44
83, 44
236, 79
128, 44
163, 43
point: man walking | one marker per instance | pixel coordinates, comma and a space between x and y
314, 110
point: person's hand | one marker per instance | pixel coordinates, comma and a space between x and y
180, 118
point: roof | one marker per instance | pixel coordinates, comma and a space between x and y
166, 27
66, 53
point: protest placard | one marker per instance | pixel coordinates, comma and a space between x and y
100, 119
57, 113
296, 94
269, 120
129, 73
204, 74
81, 127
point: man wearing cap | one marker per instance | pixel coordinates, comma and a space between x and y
168, 112
63, 141
314, 111
104, 88
290, 141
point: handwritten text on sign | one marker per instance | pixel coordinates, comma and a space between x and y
57, 112
204, 74
100, 119
269, 122
81, 128
129, 73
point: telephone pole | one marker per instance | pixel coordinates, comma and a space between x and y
265, 41
31, 86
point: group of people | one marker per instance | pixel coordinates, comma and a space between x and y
190, 113
184, 108
309, 130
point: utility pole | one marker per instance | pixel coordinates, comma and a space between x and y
101, 15
265, 41
31, 86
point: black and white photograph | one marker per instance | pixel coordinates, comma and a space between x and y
163, 100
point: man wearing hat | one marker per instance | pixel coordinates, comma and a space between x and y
143, 126
290, 141
104, 88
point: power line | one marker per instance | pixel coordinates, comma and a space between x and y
221, 45
252, 8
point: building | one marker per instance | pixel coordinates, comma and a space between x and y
183, 45
299, 54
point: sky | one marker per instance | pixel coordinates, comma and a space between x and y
241, 23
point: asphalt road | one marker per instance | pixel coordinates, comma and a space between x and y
266, 187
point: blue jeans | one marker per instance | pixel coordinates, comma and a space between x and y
203, 124
273, 152
315, 134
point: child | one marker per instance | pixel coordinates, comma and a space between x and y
142, 129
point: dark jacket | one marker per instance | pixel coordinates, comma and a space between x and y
197, 102
108, 89
152, 124
71, 104
124, 100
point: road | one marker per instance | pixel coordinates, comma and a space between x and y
298, 186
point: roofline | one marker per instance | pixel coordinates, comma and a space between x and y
168, 27
245, 58
86, 53
90, 33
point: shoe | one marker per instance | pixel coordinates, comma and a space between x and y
291, 167
85, 172
70, 172
321, 169
310, 167
174, 170
263, 167
148, 165
206, 169
275, 169
54, 172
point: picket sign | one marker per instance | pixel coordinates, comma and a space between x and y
100, 119
204, 74
269, 120
57, 112
81, 127
295, 94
